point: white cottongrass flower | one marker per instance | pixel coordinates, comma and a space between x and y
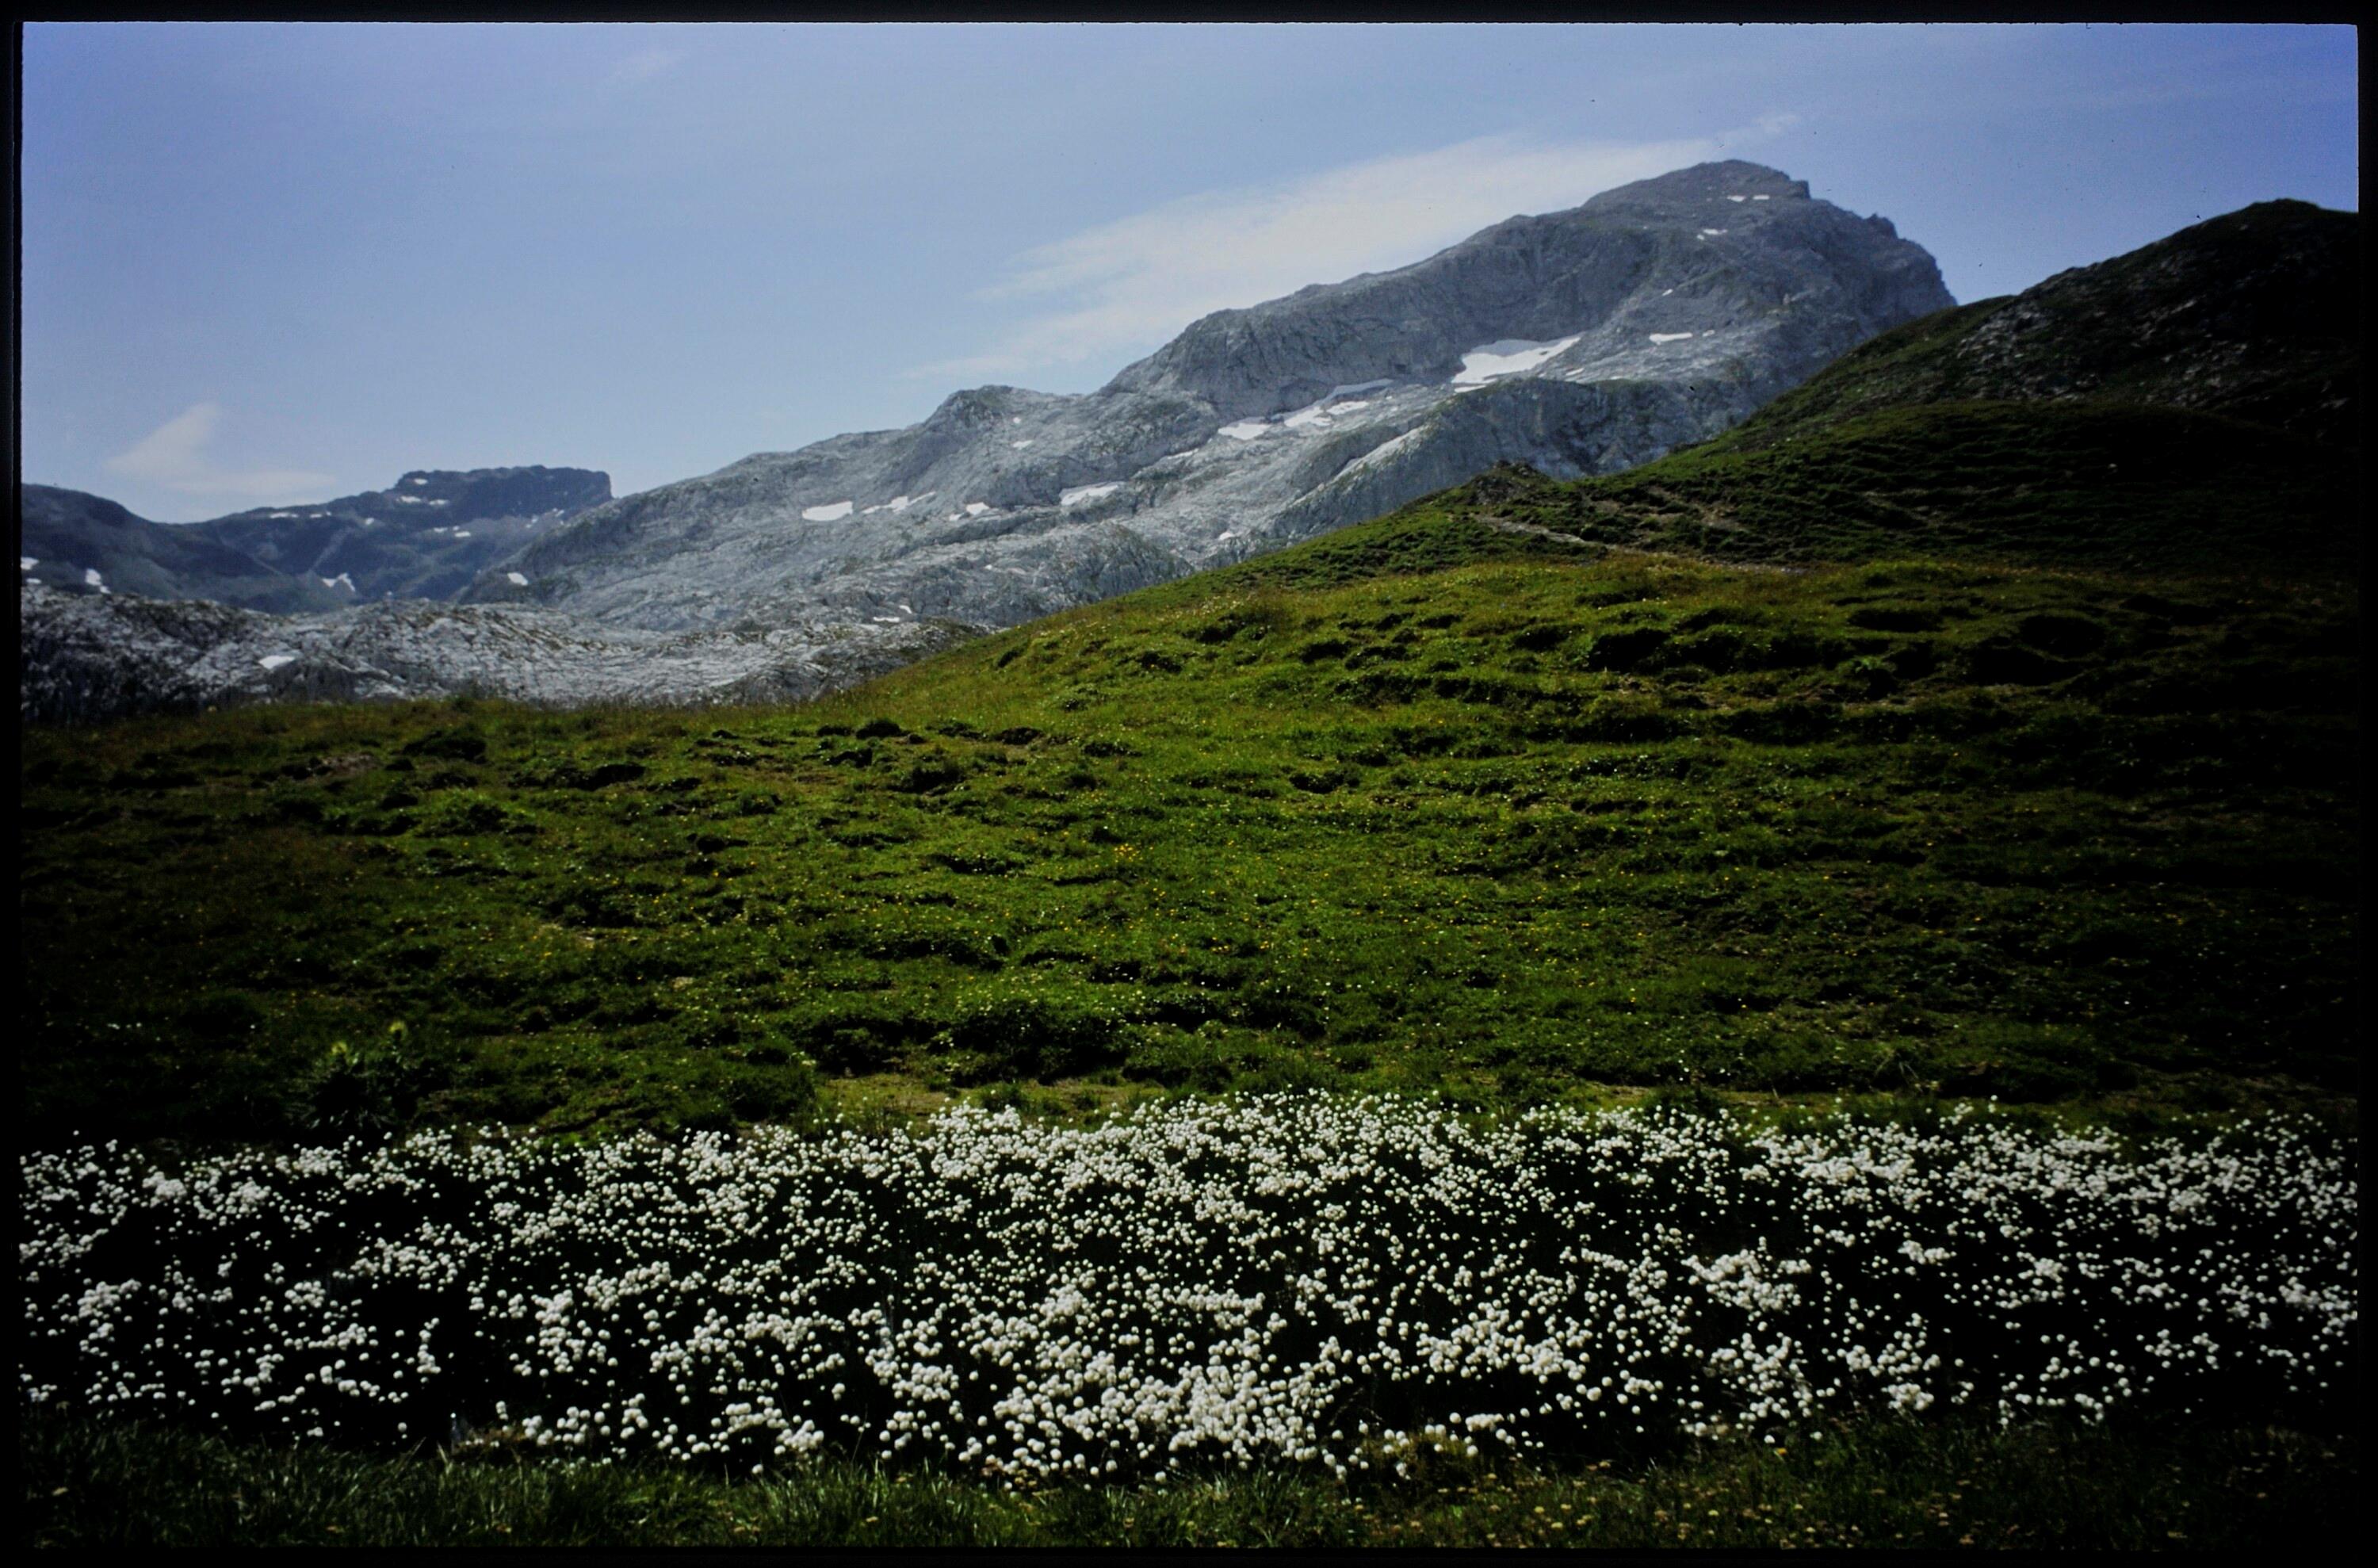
1241, 1282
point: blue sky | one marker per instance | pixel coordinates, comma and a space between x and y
273, 262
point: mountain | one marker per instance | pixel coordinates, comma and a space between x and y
2014, 752
426, 536
75, 543
2190, 407
1581, 342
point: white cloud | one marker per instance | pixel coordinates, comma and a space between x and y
174, 456
1121, 288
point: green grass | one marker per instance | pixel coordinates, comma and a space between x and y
1421, 806
1881, 1483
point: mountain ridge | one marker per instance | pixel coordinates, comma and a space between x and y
406, 541
2254, 314
74, 542
1883, 452
1582, 341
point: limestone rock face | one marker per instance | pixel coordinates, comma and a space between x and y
1579, 342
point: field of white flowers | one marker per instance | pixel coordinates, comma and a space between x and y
1303, 1280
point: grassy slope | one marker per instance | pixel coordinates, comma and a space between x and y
2250, 316
2186, 407
1514, 819
2092, 485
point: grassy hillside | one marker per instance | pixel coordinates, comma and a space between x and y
2106, 486
1914, 742
2250, 316
1429, 805
2190, 407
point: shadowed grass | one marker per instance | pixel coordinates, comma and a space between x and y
1880, 1482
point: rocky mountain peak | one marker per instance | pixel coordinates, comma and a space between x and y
1732, 181
979, 408
1736, 229
529, 492
1579, 342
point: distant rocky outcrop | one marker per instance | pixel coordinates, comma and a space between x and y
85, 544
1581, 342
428, 535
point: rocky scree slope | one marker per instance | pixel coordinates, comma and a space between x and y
1581, 342
86, 657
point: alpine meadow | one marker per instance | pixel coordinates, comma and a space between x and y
1636, 885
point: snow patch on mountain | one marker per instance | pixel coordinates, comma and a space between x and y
1511, 356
